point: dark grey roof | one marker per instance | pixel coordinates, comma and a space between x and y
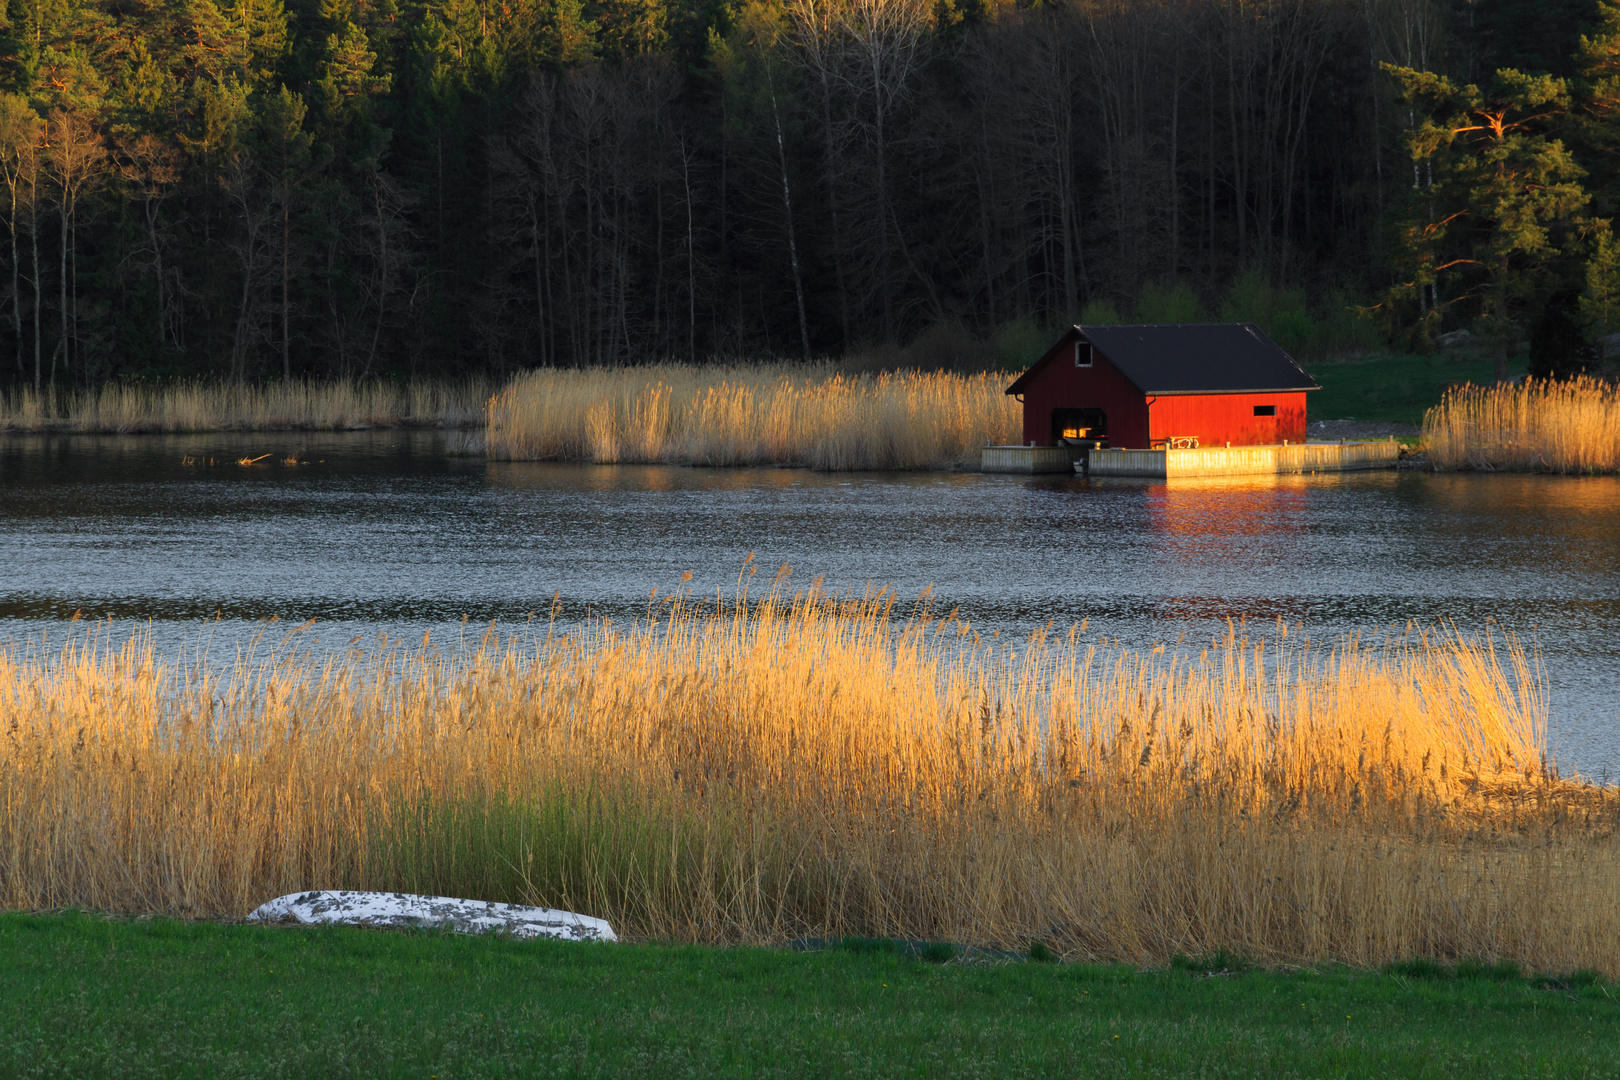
1194, 358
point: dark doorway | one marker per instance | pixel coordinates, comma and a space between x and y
1073, 424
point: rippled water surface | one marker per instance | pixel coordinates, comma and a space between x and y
382, 531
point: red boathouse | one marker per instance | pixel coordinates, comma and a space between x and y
1167, 385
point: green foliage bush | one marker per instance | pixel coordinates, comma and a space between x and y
1169, 302
1100, 312
1021, 342
1336, 328
1285, 316
947, 346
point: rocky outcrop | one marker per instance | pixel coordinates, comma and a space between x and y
409, 911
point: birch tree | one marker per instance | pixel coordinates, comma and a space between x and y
20, 132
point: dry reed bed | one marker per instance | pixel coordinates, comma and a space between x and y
227, 406
755, 771
764, 415
1534, 426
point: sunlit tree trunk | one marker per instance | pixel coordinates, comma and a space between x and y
787, 216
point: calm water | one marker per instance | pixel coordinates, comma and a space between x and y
383, 532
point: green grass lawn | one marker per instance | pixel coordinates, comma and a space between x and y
1390, 389
85, 996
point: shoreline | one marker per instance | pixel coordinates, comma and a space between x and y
470, 439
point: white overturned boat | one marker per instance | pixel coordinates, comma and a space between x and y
409, 911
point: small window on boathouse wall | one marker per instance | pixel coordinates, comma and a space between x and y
1082, 354
1265, 410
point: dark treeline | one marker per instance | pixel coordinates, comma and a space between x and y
244, 189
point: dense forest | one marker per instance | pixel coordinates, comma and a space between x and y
258, 189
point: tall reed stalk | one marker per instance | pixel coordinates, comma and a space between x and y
767, 415
227, 406
1534, 426
756, 770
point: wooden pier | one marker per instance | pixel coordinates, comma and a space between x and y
1286, 458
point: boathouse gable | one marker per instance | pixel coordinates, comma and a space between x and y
1187, 384
1065, 382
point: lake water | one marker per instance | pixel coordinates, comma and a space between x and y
381, 531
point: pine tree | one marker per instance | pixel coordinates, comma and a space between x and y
1505, 211
262, 26
348, 80
567, 38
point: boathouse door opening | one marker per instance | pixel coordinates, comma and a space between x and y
1075, 424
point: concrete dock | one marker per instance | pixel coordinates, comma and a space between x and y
1243, 460
1028, 459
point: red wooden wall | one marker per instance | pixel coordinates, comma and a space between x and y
1218, 418
1061, 385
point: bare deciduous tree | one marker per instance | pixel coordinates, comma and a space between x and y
74, 154
20, 133
151, 167
255, 213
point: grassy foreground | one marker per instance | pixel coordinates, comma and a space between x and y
88, 996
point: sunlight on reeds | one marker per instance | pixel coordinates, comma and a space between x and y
764, 415
758, 770
228, 406
1533, 426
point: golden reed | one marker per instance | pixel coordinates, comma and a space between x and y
1534, 426
755, 770
762, 415
227, 406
